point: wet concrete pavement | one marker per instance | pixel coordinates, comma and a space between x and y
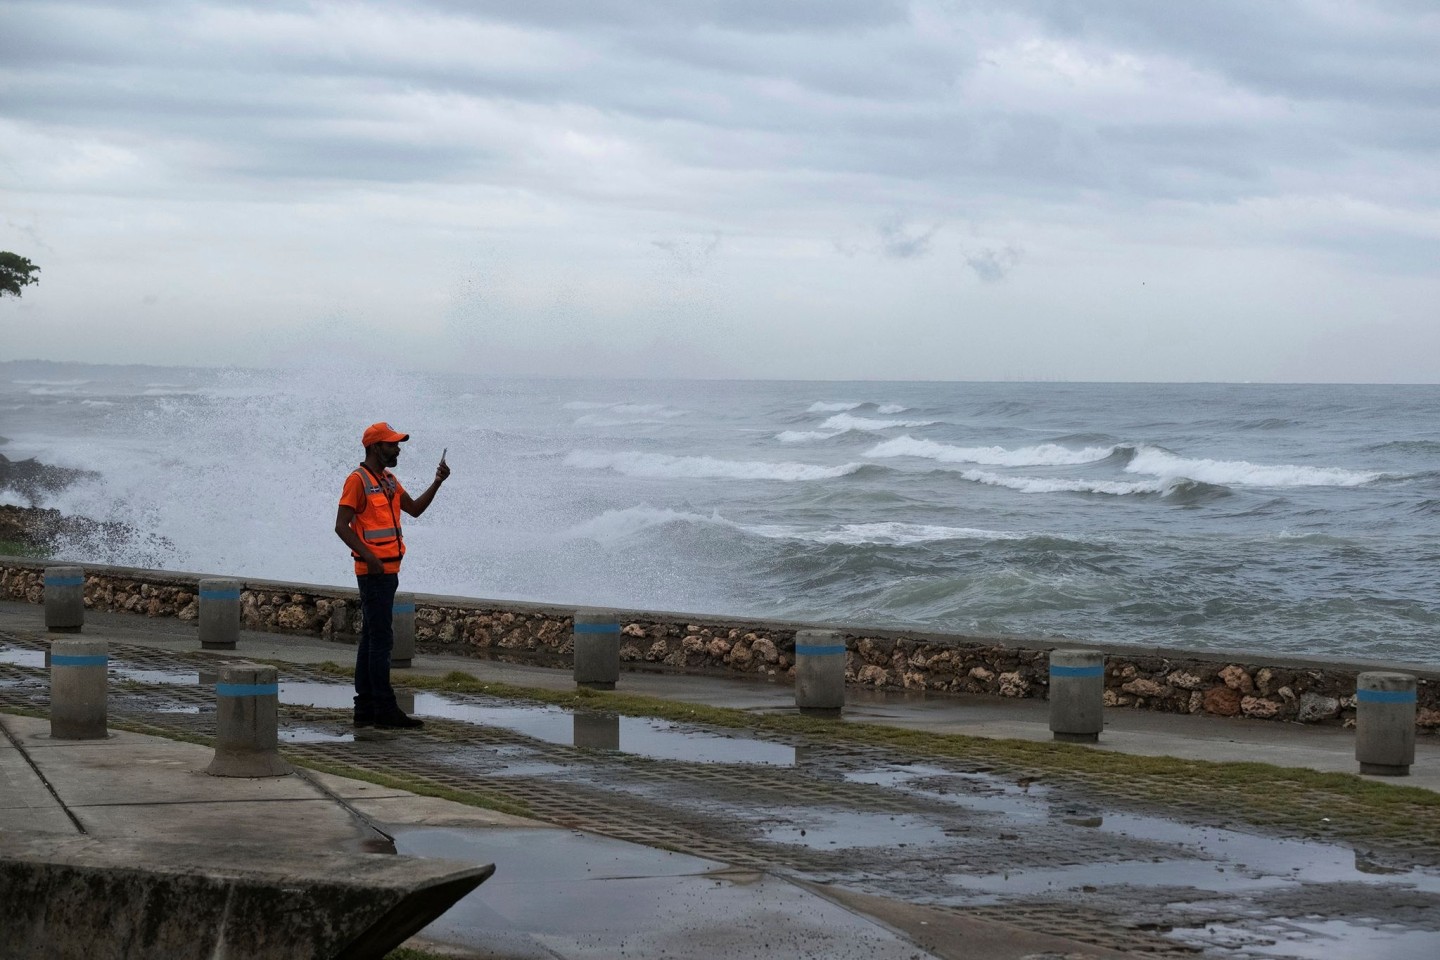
767, 847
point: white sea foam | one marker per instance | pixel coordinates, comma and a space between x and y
840, 406
57, 391
1117, 488
1042, 455
803, 436
664, 466
844, 421
622, 414
50, 383
889, 533
614, 525
97, 403
1242, 473
891, 408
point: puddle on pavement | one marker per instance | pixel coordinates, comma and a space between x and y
640, 736
160, 677
845, 829
17, 657
1209, 859
974, 791
1313, 938
563, 893
331, 696
313, 735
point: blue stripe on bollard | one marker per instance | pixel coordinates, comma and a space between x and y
248, 689
1077, 671
219, 594
814, 651
67, 660
404, 608
64, 581
1385, 696
597, 628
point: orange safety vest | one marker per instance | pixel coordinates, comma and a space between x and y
378, 521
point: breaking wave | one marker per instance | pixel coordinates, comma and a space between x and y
1045, 454
1241, 473
614, 525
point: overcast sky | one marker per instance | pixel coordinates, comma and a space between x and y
1096, 190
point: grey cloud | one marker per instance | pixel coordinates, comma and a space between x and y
993, 264
900, 240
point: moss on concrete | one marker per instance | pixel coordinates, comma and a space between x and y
1332, 805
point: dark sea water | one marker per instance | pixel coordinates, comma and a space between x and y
1293, 518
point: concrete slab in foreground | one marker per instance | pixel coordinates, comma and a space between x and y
89, 899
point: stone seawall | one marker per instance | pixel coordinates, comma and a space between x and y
1171, 681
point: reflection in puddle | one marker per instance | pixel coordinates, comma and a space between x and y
975, 791
564, 893
1312, 938
162, 677
312, 735
22, 658
845, 829
656, 739
1214, 860
329, 695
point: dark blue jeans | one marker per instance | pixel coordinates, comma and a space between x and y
373, 693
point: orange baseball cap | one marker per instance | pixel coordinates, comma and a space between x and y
382, 433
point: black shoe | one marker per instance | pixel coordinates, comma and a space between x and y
364, 720
398, 720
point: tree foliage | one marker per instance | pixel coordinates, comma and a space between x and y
16, 272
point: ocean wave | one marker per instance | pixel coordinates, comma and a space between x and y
613, 525
888, 533
1242, 473
804, 436
665, 466
1268, 423
890, 409
50, 383
97, 403
839, 406
1422, 447
622, 414
53, 391
1042, 455
1116, 488
844, 421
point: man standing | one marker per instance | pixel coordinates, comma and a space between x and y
369, 522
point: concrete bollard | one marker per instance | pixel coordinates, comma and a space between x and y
64, 599
1077, 695
597, 649
403, 617
819, 671
78, 698
219, 614
597, 731
1385, 723
247, 724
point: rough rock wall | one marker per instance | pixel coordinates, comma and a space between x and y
1175, 682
